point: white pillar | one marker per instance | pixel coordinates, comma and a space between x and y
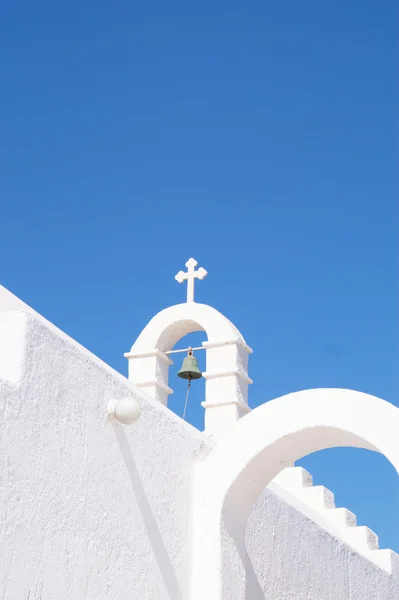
149, 371
226, 390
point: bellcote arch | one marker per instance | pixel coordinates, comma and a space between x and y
226, 375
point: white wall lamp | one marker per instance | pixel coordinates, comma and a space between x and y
124, 410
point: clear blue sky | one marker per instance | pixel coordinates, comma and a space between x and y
257, 137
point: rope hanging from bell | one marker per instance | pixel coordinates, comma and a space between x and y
189, 371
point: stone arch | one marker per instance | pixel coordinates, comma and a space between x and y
226, 390
266, 441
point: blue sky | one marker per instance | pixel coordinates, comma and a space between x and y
257, 137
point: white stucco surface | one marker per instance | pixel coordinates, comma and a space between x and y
90, 509
264, 442
95, 510
290, 557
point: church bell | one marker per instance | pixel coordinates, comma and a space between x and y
190, 368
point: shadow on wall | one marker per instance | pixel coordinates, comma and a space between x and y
233, 529
154, 535
253, 590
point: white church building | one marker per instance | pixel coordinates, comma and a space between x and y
106, 494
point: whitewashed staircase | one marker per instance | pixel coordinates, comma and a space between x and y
340, 521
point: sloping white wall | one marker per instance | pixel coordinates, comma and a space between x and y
89, 509
94, 510
290, 557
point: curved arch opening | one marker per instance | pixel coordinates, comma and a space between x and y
305, 527
267, 440
179, 331
365, 483
171, 324
260, 470
241, 502
194, 413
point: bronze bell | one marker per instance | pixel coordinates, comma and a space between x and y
190, 368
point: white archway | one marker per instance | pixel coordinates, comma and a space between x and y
263, 443
226, 394
171, 324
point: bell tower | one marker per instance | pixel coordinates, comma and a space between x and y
226, 375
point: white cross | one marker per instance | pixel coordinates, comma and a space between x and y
190, 276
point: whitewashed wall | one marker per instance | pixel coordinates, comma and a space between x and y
88, 510
93, 510
290, 557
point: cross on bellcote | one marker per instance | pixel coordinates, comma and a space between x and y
190, 275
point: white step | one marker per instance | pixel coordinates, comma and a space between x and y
300, 482
294, 477
342, 518
362, 538
383, 558
318, 497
